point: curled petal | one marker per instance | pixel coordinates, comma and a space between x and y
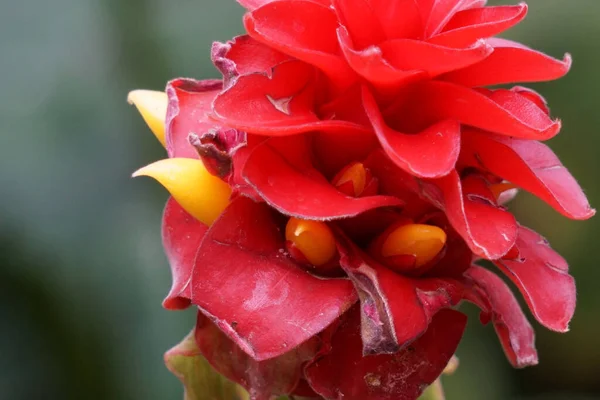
511, 63
277, 104
189, 104
468, 26
244, 55
262, 379
281, 306
371, 64
442, 11
542, 276
278, 25
500, 111
530, 165
345, 373
489, 231
428, 154
181, 236
295, 188
514, 331
395, 309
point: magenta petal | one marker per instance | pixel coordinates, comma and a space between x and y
509, 64
279, 103
428, 154
181, 236
395, 309
262, 379
259, 297
189, 104
291, 185
530, 165
345, 373
542, 275
514, 331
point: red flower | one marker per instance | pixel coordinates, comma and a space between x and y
332, 192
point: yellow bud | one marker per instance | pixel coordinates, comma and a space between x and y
313, 238
424, 242
356, 174
153, 107
201, 194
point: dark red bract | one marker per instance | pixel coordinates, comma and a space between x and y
397, 86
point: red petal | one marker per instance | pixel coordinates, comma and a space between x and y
345, 373
543, 277
262, 379
189, 103
371, 65
181, 236
489, 231
395, 309
429, 154
259, 297
305, 30
276, 104
530, 165
514, 331
510, 63
468, 26
442, 11
252, 4
408, 54
501, 111
295, 188
373, 21
244, 55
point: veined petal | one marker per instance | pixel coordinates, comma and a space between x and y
280, 171
428, 154
181, 237
344, 373
510, 63
530, 165
282, 306
468, 26
543, 277
189, 104
514, 331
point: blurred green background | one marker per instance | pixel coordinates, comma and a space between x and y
82, 273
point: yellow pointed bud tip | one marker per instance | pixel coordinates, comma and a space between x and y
152, 105
202, 195
452, 366
313, 238
424, 242
356, 174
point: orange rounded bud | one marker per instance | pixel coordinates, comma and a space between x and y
313, 239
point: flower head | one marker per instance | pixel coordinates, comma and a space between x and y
333, 192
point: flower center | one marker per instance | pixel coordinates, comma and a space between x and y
423, 242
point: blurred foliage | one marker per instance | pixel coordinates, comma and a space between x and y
82, 274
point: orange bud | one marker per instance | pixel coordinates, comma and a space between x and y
152, 105
424, 242
352, 180
313, 239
